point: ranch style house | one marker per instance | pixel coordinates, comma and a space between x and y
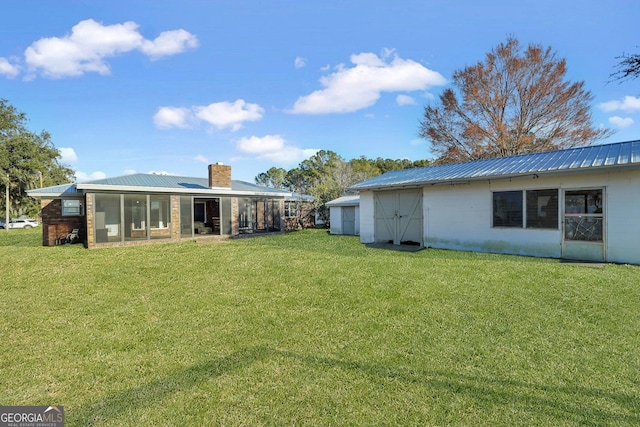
146, 208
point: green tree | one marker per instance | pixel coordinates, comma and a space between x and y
515, 101
27, 160
274, 178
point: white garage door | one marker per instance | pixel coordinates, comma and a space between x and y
398, 217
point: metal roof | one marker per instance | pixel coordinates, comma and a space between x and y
352, 200
595, 157
165, 184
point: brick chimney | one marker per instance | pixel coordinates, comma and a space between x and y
219, 176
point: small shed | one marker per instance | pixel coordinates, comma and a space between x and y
344, 215
580, 203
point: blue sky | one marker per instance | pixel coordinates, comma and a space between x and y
170, 86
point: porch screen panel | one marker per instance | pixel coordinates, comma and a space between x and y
135, 217
225, 216
107, 226
275, 215
160, 216
186, 216
245, 215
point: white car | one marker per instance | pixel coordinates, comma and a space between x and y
20, 223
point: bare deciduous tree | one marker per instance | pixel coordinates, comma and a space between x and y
628, 67
515, 101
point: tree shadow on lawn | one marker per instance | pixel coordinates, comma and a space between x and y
490, 392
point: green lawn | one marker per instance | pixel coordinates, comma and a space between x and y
311, 329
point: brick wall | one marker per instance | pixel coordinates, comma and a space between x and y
220, 176
55, 226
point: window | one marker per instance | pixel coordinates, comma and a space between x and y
583, 215
290, 209
507, 209
72, 207
542, 209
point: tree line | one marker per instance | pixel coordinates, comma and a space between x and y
327, 176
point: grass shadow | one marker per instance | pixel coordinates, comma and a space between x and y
531, 398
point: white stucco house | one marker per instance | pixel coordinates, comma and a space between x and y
344, 215
581, 203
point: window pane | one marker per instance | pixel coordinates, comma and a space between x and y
507, 209
107, 218
72, 207
583, 202
542, 209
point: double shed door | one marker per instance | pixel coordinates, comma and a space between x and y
398, 217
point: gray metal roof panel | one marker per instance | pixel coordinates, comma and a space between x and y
617, 154
165, 183
351, 200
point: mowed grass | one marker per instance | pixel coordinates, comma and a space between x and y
311, 329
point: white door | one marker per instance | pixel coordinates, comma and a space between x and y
398, 217
349, 220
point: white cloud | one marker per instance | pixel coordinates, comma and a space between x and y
169, 43
90, 43
68, 155
629, 104
405, 100
621, 122
229, 115
274, 148
222, 115
129, 171
256, 145
168, 117
200, 158
300, 62
82, 176
8, 69
351, 89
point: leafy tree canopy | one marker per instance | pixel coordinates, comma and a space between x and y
27, 160
515, 101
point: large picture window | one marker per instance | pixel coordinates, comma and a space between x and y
507, 209
526, 208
